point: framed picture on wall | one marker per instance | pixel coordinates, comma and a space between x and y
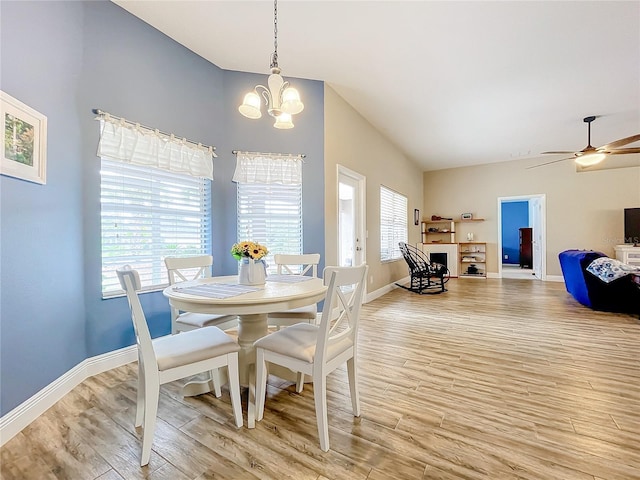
416, 216
24, 143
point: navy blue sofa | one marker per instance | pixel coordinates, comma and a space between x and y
621, 295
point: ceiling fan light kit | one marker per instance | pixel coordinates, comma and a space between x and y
590, 155
281, 99
589, 159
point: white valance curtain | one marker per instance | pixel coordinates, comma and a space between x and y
127, 142
268, 168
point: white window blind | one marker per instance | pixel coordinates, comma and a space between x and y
393, 223
272, 216
146, 215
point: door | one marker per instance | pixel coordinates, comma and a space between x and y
537, 221
536, 216
351, 225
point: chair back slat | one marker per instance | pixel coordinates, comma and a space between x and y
345, 290
183, 269
130, 283
297, 264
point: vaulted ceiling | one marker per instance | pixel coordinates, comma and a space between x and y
451, 83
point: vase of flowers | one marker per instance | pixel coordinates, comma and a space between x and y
253, 270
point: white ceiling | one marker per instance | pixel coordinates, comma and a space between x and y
450, 83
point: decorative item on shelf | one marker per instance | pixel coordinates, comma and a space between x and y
435, 218
253, 270
472, 270
466, 216
281, 99
470, 237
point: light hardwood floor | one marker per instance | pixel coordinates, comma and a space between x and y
494, 379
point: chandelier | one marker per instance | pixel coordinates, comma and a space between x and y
282, 100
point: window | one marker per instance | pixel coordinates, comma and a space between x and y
393, 223
146, 215
271, 215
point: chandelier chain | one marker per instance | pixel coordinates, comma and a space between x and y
274, 57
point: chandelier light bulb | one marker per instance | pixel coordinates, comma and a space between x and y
250, 107
283, 121
291, 103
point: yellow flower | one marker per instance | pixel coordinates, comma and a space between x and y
248, 249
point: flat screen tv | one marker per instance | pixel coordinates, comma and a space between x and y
632, 225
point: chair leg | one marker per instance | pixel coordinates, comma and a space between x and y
352, 373
140, 395
215, 378
152, 394
299, 382
320, 398
261, 383
174, 327
251, 402
234, 388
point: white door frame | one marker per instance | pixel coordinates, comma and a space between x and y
361, 227
541, 235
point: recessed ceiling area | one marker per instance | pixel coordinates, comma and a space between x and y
449, 83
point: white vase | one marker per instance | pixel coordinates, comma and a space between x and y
252, 272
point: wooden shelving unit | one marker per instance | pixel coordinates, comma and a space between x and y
473, 259
440, 231
439, 236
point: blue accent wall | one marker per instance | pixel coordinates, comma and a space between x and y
515, 215
83, 55
42, 310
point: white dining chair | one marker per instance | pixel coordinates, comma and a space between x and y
182, 269
295, 265
166, 359
317, 350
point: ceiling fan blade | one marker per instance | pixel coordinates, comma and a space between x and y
620, 143
621, 151
549, 163
557, 153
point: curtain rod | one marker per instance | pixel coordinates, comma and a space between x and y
301, 155
97, 111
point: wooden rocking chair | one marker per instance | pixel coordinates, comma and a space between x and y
426, 276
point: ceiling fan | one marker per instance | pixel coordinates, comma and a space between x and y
590, 155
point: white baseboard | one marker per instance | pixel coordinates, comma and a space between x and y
550, 278
555, 278
371, 296
25, 413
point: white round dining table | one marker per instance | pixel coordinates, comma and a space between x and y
251, 308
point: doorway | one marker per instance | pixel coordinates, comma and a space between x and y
536, 222
351, 218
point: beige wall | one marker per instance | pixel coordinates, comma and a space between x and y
354, 143
584, 210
